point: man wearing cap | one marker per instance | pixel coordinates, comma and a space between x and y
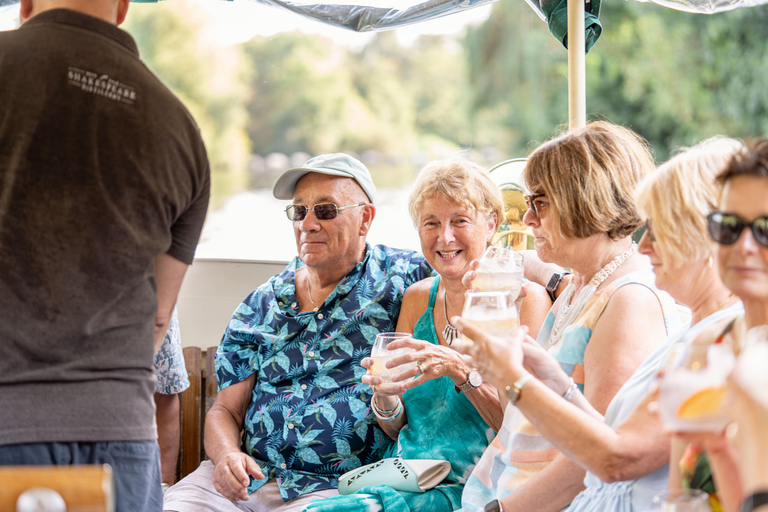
288, 365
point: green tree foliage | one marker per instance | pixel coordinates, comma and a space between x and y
674, 77
209, 80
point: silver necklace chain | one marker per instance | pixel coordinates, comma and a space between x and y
568, 312
309, 292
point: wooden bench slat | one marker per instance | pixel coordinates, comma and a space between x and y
190, 446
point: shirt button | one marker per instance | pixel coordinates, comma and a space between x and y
290, 426
311, 353
320, 316
293, 304
279, 303
282, 465
303, 386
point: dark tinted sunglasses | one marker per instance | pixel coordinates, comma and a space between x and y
323, 211
725, 228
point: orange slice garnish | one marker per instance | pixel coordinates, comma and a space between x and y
704, 402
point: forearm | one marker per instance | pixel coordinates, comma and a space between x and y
536, 270
582, 435
222, 433
726, 474
677, 448
486, 400
387, 403
550, 490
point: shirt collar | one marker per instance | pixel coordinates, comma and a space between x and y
84, 21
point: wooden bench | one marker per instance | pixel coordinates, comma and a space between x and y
195, 402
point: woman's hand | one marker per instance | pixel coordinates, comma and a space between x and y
545, 367
434, 360
378, 386
500, 360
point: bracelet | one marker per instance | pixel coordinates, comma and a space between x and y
754, 500
570, 391
394, 414
382, 411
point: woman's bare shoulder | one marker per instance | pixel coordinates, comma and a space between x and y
418, 292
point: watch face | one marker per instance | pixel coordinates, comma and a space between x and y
554, 282
475, 378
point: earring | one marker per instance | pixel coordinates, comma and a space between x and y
709, 261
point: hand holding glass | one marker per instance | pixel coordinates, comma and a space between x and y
381, 354
492, 312
692, 391
500, 269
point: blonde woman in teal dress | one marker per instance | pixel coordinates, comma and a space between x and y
441, 410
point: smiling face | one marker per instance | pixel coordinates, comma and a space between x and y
744, 265
337, 243
452, 235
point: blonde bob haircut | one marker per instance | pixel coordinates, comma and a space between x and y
459, 180
589, 176
679, 196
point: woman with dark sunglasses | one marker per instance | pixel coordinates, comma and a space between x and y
600, 329
739, 226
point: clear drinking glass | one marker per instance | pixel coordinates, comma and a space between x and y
692, 392
381, 354
500, 269
493, 312
682, 500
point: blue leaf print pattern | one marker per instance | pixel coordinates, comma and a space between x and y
309, 419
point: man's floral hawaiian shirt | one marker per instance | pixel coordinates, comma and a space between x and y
309, 419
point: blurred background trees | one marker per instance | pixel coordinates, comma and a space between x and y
499, 88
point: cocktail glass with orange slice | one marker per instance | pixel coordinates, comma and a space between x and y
692, 393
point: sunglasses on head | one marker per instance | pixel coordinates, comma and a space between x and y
534, 205
725, 228
323, 211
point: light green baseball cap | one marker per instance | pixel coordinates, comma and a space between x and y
333, 164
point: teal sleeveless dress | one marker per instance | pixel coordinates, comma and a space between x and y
442, 424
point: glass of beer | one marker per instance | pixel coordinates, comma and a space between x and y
493, 312
381, 354
500, 269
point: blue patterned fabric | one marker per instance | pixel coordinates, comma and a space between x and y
443, 425
170, 371
309, 419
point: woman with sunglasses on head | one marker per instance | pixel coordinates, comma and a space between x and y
607, 321
739, 226
440, 409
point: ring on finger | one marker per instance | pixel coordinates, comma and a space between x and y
421, 367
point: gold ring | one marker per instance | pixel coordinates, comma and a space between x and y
420, 367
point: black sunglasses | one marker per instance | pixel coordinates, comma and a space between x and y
323, 211
725, 228
530, 201
648, 230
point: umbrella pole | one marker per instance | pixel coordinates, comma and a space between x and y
577, 83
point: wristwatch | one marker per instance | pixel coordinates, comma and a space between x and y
554, 282
474, 381
513, 391
493, 506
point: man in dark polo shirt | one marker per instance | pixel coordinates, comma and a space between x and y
104, 186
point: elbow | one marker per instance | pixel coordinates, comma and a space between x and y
615, 468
